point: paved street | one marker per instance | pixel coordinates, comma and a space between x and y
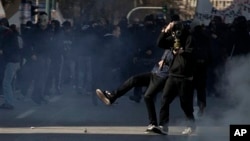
74, 117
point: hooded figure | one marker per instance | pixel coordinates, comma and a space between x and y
239, 38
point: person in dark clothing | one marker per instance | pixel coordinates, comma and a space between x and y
147, 52
202, 55
40, 56
112, 51
25, 76
217, 32
56, 60
238, 40
154, 81
69, 53
180, 80
3, 30
137, 51
11, 51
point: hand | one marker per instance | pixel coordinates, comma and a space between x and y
175, 52
178, 51
1, 52
160, 63
168, 28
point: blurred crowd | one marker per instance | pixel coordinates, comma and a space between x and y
41, 59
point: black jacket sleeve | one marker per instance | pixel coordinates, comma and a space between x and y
165, 40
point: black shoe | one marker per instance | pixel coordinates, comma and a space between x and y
105, 96
163, 130
6, 106
135, 99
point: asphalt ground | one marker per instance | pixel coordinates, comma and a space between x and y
81, 117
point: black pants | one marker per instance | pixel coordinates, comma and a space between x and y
154, 85
143, 65
40, 78
200, 78
177, 87
38, 72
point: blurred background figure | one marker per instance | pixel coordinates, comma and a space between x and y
41, 47
11, 46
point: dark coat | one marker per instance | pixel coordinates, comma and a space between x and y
10, 46
183, 63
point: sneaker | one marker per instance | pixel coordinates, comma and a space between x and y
154, 129
6, 106
105, 96
187, 131
150, 128
163, 130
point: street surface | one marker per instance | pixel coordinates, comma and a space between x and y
75, 117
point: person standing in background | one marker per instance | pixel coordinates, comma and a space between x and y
40, 55
11, 51
202, 56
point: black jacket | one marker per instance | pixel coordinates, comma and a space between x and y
183, 63
41, 42
11, 47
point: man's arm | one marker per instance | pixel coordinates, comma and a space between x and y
165, 39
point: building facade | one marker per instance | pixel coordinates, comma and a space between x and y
221, 4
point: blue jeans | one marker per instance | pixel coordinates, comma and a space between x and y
9, 74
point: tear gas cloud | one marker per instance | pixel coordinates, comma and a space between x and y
235, 85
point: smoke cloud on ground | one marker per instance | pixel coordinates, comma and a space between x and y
235, 86
233, 106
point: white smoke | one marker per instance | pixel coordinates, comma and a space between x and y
234, 105
235, 86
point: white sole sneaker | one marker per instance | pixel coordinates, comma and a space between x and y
187, 131
156, 130
150, 128
102, 97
